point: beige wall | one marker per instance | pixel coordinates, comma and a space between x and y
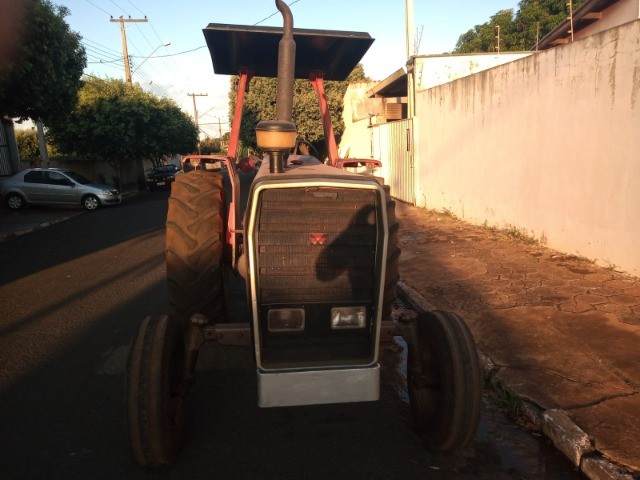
433, 70
357, 107
549, 144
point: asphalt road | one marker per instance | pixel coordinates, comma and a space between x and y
72, 297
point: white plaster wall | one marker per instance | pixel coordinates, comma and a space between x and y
357, 106
432, 70
549, 144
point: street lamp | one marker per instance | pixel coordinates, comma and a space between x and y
165, 44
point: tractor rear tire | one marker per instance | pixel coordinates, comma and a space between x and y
155, 392
393, 260
194, 238
445, 390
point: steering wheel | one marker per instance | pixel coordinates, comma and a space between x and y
303, 147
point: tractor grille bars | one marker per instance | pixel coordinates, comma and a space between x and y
316, 245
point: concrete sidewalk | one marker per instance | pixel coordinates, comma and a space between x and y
560, 332
33, 217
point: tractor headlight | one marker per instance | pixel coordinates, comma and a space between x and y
285, 320
348, 317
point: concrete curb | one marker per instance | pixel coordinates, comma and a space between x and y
566, 436
19, 233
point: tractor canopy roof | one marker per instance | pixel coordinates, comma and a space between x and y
237, 47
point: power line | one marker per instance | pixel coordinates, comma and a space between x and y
161, 41
144, 36
184, 73
99, 8
101, 55
136, 8
104, 62
174, 54
274, 14
120, 8
98, 46
117, 67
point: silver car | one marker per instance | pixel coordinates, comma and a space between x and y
55, 186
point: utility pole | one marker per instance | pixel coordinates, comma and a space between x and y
409, 28
498, 38
195, 112
125, 52
570, 5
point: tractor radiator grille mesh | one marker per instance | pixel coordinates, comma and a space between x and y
316, 245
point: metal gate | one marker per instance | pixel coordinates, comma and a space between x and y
392, 144
5, 152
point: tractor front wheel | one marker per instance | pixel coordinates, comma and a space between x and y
445, 381
195, 231
155, 391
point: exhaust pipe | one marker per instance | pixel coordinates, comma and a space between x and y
278, 136
286, 65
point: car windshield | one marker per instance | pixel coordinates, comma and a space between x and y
78, 178
165, 169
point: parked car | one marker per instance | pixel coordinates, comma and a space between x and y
55, 186
162, 176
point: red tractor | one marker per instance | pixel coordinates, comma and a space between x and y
316, 247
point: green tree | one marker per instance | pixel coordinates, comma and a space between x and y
210, 146
28, 144
260, 104
41, 76
118, 122
28, 147
519, 32
483, 38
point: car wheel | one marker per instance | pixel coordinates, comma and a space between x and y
90, 202
444, 377
15, 201
195, 232
155, 391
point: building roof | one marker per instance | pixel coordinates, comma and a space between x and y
235, 47
586, 14
395, 85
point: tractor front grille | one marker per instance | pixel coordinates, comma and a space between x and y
316, 248
316, 245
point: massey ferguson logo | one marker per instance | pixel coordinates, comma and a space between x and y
317, 238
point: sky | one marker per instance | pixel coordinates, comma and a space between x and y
185, 65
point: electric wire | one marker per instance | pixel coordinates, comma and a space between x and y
136, 8
99, 8
103, 48
104, 56
274, 14
159, 39
120, 8
173, 54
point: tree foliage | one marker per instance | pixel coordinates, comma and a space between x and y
211, 146
41, 76
28, 148
517, 32
260, 104
118, 122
